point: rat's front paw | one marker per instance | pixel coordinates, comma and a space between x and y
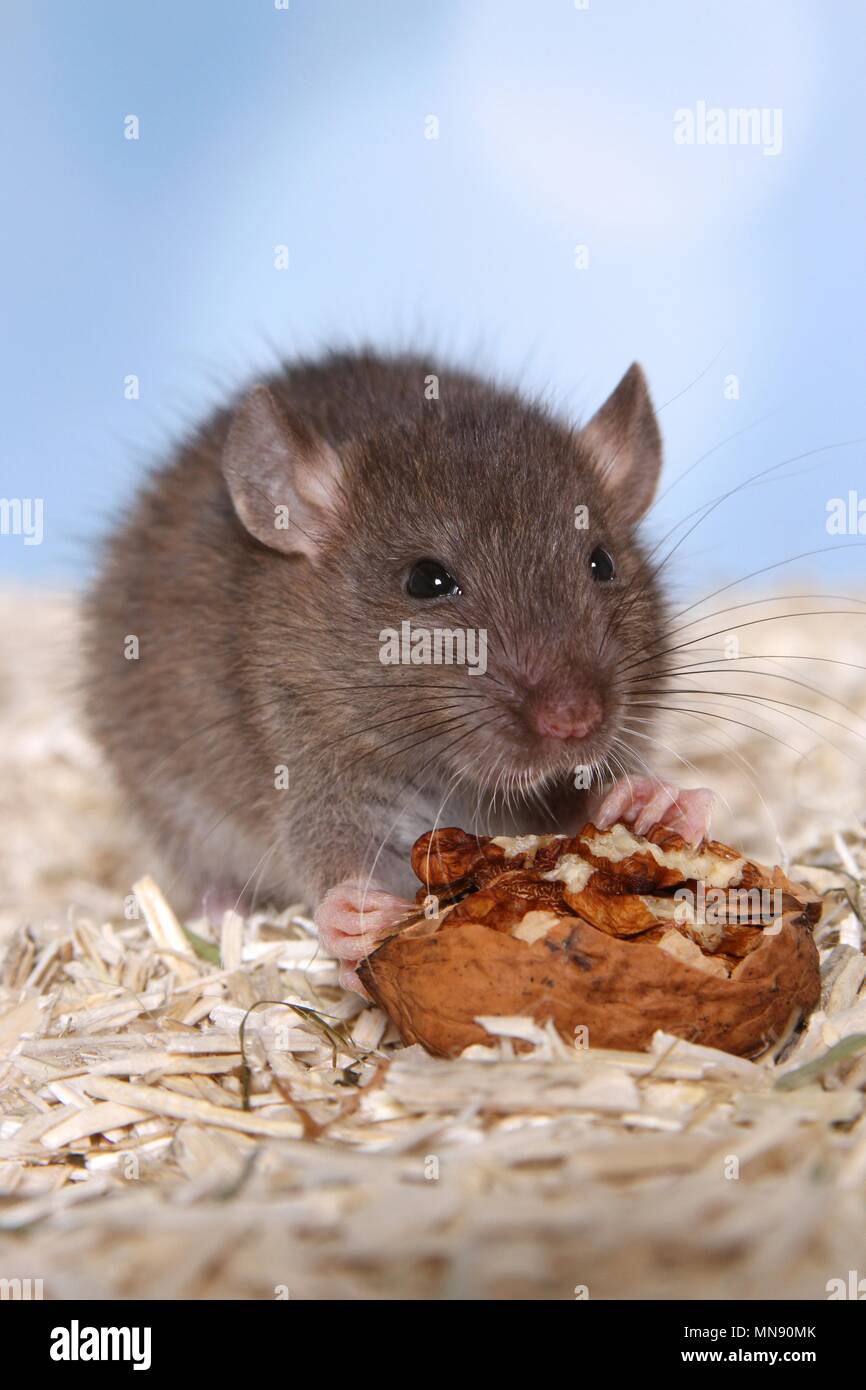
351, 919
645, 802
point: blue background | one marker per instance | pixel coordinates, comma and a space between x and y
306, 127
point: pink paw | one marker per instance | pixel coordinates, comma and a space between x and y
351, 919
645, 802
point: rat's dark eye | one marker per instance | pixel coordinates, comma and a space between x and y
429, 579
601, 565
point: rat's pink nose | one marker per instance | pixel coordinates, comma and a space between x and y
567, 718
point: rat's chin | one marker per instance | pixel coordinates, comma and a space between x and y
540, 761
557, 758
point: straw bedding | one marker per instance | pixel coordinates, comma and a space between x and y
148, 1150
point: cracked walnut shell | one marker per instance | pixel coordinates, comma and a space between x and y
607, 931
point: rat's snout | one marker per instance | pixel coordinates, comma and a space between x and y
574, 716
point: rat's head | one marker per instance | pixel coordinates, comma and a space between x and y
468, 574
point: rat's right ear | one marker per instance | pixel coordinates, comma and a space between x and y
283, 478
623, 438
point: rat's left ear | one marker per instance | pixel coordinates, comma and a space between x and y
625, 443
284, 479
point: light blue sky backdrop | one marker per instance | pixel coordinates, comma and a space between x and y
307, 127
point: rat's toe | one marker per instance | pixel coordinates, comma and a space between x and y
657, 808
629, 798
349, 980
353, 916
690, 815
647, 801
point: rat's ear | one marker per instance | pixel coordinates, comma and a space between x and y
283, 478
624, 439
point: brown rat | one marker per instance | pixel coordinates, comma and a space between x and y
239, 630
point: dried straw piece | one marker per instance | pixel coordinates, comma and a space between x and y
164, 927
158, 1100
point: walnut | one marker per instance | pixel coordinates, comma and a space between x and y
613, 932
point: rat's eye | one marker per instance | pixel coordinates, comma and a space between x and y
601, 565
429, 579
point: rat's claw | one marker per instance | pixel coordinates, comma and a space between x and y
646, 801
351, 918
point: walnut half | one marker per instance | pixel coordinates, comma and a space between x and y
608, 931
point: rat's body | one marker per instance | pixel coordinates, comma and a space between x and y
258, 734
